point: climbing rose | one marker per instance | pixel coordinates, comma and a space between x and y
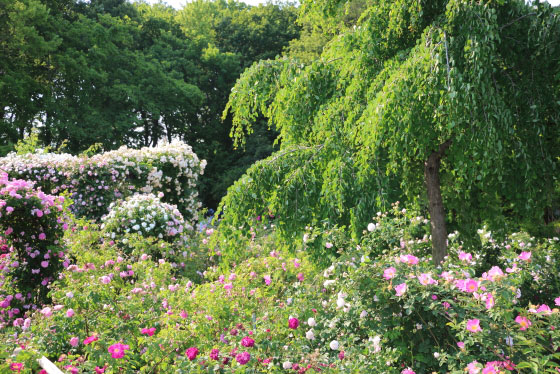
293, 323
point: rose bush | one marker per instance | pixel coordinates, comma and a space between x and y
32, 225
146, 215
95, 182
380, 307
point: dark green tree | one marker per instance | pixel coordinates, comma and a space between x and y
26, 42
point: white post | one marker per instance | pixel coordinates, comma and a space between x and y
48, 366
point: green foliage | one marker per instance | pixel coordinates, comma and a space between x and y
116, 73
354, 316
357, 127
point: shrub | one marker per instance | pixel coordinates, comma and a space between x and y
32, 225
169, 324
145, 215
396, 310
95, 182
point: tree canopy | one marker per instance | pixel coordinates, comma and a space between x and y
451, 106
120, 73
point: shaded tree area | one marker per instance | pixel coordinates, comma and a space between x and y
120, 73
450, 106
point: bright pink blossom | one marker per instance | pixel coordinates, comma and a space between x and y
409, 259
473, 325
473, 367
545, 309
491, 368
389, 273
215, 354
247, 342
243, 358
293, 323
471, 286
16, 366
523, 322
463, 256
90, 339
191, 353
118, 350
489, 301
400, 289
148, 331
525, 256
267, 280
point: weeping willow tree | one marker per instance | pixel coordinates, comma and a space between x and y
450, 105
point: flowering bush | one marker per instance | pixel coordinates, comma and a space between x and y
129, 314
145, 215
32, 225
95, 182
381, 307
397, 312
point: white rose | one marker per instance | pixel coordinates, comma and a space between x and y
371, 227
287, 365
311, 322
310, 335
340, 302
334, 345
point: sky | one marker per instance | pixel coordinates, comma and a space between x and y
178, 4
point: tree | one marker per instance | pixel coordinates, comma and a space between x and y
236, 35
447, 104
25, 44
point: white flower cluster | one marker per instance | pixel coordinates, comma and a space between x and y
147, 215
171, 169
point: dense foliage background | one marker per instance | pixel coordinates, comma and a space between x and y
120, 73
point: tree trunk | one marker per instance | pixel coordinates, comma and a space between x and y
435, 203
